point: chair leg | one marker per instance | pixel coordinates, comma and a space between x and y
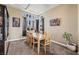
27, 41
33, 45
45, 49
50, 47
30, 42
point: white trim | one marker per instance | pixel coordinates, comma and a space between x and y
70, 47
59, 43
10, 40
15, 39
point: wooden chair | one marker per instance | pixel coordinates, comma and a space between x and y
30, 38
27, 38
46, 42
35, 40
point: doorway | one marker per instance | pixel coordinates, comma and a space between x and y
37, 25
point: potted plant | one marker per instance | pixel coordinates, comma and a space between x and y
67, 37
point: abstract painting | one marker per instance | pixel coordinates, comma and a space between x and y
55, 22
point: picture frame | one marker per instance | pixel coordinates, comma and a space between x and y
55, 22
16, 22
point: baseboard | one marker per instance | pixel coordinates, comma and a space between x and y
15, 39
59, 43
11, 40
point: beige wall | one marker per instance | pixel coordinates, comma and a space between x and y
68, 15
78, 29
14, 32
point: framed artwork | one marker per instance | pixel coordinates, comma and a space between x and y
16, 22
55, 22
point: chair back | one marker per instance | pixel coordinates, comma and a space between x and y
47, 38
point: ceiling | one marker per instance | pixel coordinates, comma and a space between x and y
34, 8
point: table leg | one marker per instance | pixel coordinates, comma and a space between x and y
38, 46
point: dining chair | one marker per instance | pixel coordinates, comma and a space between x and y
27, 38
30, 38
35, 40
46, 41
